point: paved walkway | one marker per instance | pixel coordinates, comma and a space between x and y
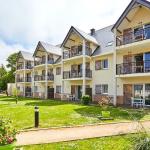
75, 133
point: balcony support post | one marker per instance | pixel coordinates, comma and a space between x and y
84, 69
114, 72
62, 70
46, 73
24, 77
33, 83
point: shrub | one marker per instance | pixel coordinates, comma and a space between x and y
86, 99
143, 144
7, 132
106, 114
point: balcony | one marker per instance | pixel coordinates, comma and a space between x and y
137, 34
20, 67
76, 52
43, 62
133, 68
28, 67
20, 79
76, 74
43, 78
28, 79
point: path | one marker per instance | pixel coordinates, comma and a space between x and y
75, 133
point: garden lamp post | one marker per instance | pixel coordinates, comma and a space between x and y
36, 116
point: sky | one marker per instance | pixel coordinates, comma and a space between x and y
25, 22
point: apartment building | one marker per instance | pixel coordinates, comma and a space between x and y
113, 61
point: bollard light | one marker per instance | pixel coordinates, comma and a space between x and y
36, 116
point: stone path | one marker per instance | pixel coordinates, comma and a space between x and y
67, 134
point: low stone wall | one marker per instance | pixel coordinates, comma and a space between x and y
57, 96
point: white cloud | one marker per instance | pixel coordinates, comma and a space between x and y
6, 50
25, 22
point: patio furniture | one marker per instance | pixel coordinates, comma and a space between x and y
137, 102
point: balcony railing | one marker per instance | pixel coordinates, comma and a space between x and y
50, 61
20, 79
133, 67
28, 79
43, 77
20, 67
77, 52
131, 37
29, 67
76, 74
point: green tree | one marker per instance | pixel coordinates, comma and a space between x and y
2, 71
12, 62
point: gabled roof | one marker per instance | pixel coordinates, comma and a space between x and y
48, 48
82, 34
129, 7
26, 55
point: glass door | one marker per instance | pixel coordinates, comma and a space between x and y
147, 31
147, 94
147, 62
138, 91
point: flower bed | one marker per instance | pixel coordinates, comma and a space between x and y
7, 134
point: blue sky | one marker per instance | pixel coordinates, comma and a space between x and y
25, 22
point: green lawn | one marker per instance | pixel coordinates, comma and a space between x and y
125, 142
57, 113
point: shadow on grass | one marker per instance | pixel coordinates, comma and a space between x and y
117, 113
46, 103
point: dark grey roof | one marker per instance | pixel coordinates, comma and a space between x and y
129, 7
105, 38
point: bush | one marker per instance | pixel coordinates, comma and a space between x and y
143, 144
7, 132
86, 99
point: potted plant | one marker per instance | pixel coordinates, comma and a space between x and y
7, 135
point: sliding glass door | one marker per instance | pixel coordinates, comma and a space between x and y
147, 94
147, 62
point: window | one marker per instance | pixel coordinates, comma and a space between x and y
35, 89
58, 89
98, 65
101, 64
101, 89
58, 70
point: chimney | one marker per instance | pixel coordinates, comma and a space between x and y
92, 31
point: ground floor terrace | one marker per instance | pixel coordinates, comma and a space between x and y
133, 91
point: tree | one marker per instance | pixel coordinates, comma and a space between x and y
16, 94
2, 71
12, 62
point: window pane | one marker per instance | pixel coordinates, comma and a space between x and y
138, 91
105, 63
98, 65
98, 89
105, 89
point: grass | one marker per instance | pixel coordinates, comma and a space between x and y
125, 142
57, 113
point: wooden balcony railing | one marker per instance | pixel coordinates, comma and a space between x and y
77, 52
50, 61
131, 37
43, 77
76, 74
20, 79
133, 67
28, 79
